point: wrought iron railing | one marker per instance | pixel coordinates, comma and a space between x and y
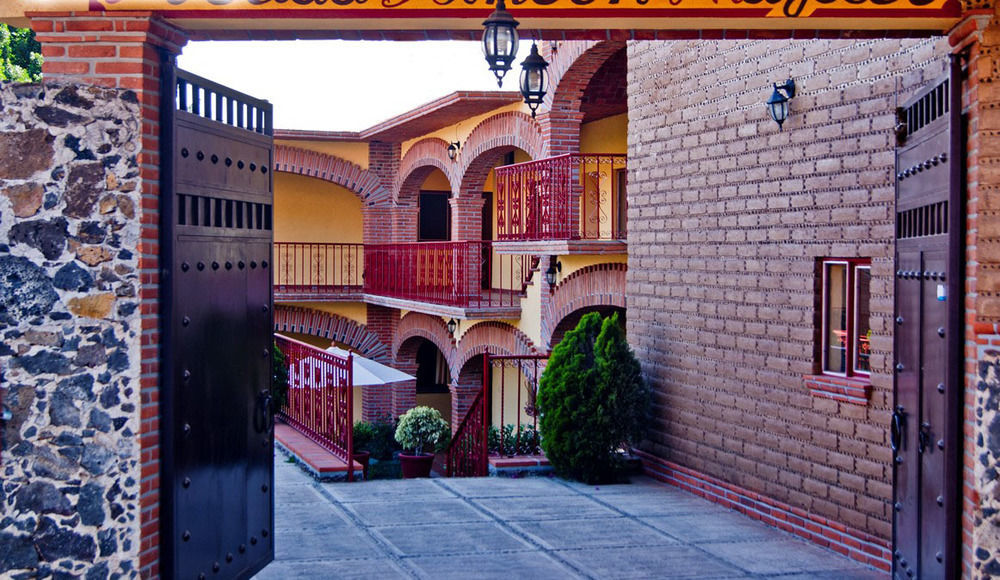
577, 196
467, 454
320, 401
318, 268
508, 402
464, 274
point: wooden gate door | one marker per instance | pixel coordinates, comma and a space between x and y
925, 431
216, 424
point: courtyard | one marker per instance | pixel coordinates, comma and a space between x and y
535, 527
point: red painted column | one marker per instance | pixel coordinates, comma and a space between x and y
123, 51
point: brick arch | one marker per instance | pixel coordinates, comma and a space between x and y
571, 68
497, 337
365, 184
595, 285
418, 163
491, 138
332, 326
433, 328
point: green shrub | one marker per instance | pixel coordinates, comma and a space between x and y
364, 434
593, 401
279, 379
422, 429
383, 444
508, 441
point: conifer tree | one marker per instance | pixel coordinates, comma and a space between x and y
592, 399
20, 55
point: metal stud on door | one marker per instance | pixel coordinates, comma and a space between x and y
925, 424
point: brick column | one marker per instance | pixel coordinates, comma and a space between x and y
561, 131
464, 389
467, 217
124, 51
980, 36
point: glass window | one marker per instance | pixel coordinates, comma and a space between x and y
846, 330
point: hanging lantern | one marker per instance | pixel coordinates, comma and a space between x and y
534, 79
500, 41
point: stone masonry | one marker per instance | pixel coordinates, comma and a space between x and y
728, 219
70, 327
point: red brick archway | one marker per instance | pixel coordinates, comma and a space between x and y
494, 136
572, 67
596, 285
417, 164
351, 176
332, 326
426, 326
497, 337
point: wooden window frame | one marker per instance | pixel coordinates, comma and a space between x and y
852, 342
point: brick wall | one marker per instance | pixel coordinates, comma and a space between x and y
727, 219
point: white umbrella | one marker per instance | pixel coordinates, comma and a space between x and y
368, 372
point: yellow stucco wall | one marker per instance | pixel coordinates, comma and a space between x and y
608, 135
436, 181
307, 209
356, 311
355, 152
504, 395
572, 263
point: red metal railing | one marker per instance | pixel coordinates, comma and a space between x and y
320, 397
316, 268
464, 274
469, 451
568, 197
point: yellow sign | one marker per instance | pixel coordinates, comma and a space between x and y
892, 9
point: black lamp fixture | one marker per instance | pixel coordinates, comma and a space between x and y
555, 266
453, 148
534, 79
500, 41
777, 105
452, 326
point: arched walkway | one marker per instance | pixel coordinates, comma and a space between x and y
334, 327
595, 285
497, 337
333, 169
426, 326
493, 137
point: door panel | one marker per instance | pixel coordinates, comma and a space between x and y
217, 464
926, 433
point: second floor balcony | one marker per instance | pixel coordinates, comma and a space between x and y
458, 279
569, 203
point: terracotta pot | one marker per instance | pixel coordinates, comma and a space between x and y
416, 465
363, 457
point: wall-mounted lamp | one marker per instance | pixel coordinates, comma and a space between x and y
555, 266
453, 148
534, 79
777, 105
452, 326
500, 41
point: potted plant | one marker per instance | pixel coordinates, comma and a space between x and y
422, 432
364, 433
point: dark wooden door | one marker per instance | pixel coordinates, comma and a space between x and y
925, 431
486, 250
216, 424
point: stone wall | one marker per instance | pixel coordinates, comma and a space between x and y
70, 327
728, 217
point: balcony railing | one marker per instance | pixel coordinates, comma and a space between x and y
463, 274
570, 197
320, 401
317, 269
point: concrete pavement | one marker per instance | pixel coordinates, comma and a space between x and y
526, 528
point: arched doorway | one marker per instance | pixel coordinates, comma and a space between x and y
423, 359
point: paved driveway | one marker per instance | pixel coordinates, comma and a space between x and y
526, 528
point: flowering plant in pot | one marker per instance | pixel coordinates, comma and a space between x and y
422, 432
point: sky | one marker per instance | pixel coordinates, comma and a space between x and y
340, 85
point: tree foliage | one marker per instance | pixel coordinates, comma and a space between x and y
20, 55
593, 401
